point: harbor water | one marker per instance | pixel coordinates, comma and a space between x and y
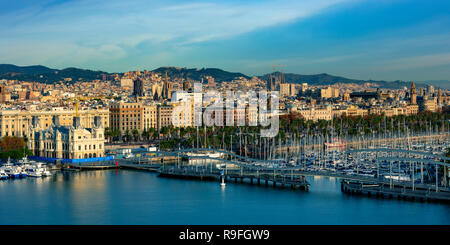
134, 197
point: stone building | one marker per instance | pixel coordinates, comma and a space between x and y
68, 142
18, 122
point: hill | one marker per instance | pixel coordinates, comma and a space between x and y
44, 74
326, 79
48, 75
197, 74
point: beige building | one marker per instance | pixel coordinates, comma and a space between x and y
150, 116
5, 96
329, 92
354, 111
69, 142
136, 115
315, 114
429, 104
288, 89
164, 114
395, 111
18, 122
127, 116
126, 82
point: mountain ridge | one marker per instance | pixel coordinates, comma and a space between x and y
45, 74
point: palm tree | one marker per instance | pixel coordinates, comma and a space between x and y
145, 134
152, 133
108, 134
164, 130
116, 134
127, 135
135, 133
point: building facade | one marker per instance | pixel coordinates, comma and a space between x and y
18, 122
68, 142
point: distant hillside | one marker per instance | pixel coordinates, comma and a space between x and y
197, 74
326, 79
445, 84
29, 70
45, 74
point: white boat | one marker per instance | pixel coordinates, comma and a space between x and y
45, 172
22, 172
398, 177
11, 170
33, 171
128, 156
42, 169
3, 174
24, 161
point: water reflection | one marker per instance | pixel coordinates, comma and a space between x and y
133, 197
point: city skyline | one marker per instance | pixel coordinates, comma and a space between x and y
407, 42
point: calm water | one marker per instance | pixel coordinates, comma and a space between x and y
132, 197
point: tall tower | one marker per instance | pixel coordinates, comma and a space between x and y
186, 85
413, 95
138, 87
439, 96
167, 88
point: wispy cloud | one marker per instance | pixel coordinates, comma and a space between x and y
97, 28
413, 62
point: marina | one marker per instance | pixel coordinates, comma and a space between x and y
24, 168
416, 170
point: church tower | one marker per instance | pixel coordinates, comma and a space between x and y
413, 93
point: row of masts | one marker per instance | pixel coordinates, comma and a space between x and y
297, 145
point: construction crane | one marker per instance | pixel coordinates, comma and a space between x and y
77, 104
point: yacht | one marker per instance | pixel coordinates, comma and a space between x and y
45, 172
22, 172
33, 171
3, 174
42, 168
11, 170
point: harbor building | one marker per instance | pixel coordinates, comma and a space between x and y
67, 142
18, 122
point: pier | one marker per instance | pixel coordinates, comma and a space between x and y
394, 192
275, 179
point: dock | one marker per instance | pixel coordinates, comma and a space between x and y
236, 176
382, 190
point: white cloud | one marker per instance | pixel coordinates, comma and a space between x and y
98, 29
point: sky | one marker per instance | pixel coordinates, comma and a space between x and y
360, 39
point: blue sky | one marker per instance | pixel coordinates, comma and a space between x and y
363, 39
